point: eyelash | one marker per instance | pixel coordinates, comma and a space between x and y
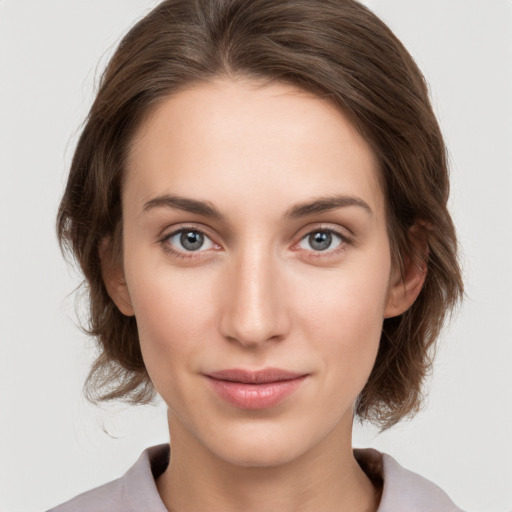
182, 255
188, 255
344, 241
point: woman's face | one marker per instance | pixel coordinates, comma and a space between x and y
257, 264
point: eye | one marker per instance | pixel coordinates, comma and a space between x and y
322, 240
189, 240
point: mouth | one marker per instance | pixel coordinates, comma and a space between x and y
261, 389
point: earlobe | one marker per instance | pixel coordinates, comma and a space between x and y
405, 286
113, 277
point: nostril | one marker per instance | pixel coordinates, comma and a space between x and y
253, 327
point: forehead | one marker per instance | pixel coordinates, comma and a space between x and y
250, 139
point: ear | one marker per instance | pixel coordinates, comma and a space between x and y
406, 283
113, 277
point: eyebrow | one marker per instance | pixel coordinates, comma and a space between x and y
206, 209
324, 204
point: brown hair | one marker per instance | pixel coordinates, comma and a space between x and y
337, 49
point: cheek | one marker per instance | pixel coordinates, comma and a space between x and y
352, 298
174, 313
343, 318
351, 325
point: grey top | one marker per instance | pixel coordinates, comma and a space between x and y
135, 491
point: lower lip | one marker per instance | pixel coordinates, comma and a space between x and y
255, 396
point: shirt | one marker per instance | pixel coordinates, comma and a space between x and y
136, 491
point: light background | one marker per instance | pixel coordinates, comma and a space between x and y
54, 445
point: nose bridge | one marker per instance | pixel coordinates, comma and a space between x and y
254, 311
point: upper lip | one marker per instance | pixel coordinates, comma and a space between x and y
255, 376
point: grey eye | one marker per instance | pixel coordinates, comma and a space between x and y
189, 240
321, 240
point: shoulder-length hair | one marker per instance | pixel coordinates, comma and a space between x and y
336, 49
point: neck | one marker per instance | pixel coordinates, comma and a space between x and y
326, 478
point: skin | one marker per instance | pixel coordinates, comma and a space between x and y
259, 293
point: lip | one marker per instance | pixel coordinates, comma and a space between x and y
261, 389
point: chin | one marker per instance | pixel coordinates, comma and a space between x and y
262, 446
261, 455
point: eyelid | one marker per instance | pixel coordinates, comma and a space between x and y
180, 232
169, 233
345, 240
341, 233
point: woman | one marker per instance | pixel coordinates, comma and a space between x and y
258, 204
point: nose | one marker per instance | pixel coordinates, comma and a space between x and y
254, 302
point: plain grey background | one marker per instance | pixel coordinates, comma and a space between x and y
53, 444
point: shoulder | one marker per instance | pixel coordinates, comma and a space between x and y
107, 497
134, 491
403, 490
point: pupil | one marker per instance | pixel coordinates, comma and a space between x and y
191, 240
320, 240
